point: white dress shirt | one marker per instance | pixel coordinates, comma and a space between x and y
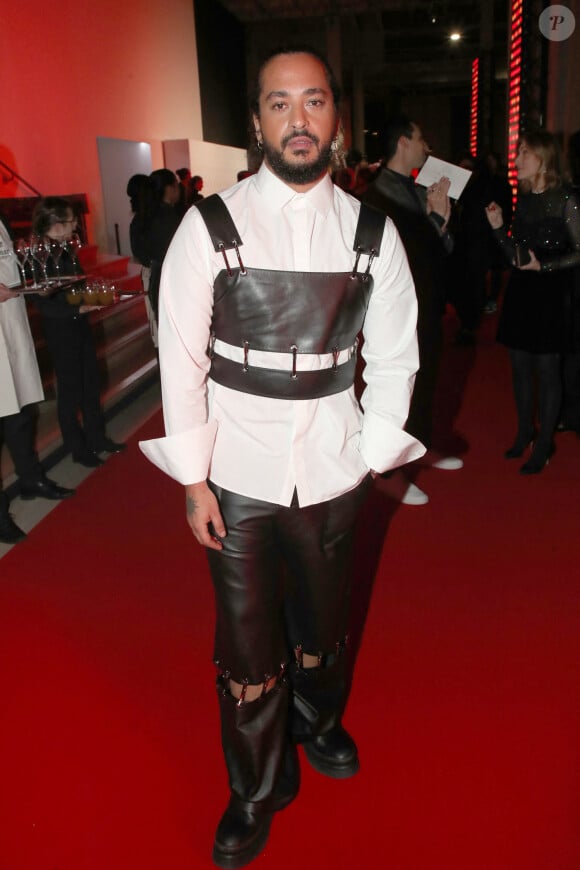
265, 448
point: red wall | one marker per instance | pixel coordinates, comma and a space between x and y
74, 70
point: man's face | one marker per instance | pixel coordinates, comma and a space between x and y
297, 120
417, 149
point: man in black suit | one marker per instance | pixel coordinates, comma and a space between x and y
421, 217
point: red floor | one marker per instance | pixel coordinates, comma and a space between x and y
465, 706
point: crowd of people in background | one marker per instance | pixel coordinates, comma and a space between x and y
461, 253
480, 247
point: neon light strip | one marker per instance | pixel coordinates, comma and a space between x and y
514, 91
473, 126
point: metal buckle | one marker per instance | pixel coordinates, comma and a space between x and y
335, 353
243, 270
222, 248
355, 267
372, 256
294, 350
242, 697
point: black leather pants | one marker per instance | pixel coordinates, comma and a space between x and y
254, 742
282, 581
282, 587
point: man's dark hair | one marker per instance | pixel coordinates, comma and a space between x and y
395, 127
182, 174
299, 49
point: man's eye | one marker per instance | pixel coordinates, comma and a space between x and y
315, 102
278, 106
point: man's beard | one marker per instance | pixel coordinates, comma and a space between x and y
295, 173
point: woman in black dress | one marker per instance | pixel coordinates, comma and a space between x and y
536, 321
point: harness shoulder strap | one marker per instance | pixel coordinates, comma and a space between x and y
219, 223
369, 230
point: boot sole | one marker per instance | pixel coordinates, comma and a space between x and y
326, 768
244, 856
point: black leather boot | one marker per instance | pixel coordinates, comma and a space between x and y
288, 784
318, 702
261, 774
241, 834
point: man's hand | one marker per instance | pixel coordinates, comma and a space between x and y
203, 511
438, 200
494, 215
6, 293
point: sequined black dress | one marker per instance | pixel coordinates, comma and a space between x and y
538, 313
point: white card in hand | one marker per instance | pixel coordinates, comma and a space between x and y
434, 169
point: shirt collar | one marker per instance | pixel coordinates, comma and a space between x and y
277, 194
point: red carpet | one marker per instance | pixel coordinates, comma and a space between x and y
466, 701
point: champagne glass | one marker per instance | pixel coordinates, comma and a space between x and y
23, 255
40, 249
32, 244
73, 245
56, 247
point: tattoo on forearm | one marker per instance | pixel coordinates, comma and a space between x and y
191, 505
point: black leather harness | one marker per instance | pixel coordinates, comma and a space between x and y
288, 312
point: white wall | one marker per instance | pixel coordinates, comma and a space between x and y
218, 165
74, 70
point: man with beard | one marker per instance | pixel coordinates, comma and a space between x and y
264, 290
421, 218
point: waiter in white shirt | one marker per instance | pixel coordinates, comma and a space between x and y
263, 293
20, 386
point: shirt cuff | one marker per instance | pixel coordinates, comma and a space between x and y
384, 446
184, 457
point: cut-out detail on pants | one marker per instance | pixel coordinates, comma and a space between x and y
282, 578
324, 660
269, 683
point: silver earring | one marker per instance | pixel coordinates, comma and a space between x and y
334, 145
259, 144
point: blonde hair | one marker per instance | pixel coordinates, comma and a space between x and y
545, 147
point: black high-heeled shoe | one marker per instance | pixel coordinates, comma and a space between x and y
538, 460
520, 444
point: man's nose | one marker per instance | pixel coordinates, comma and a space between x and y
298, 119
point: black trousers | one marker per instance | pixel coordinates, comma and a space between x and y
17, 431
71, 345
282, 581
420, 421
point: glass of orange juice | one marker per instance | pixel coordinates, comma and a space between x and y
74, 295
106, 292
